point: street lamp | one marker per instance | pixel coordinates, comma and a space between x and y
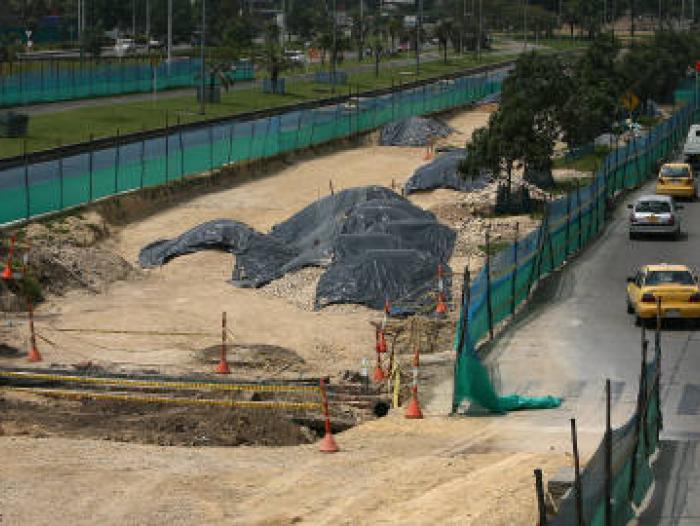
419, 25
201, 46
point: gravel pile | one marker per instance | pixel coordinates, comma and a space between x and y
415, 131
298, 287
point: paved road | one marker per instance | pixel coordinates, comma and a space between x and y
582, 335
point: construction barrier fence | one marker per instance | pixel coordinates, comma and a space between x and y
58, 80
619, 473
39, 188
569, 224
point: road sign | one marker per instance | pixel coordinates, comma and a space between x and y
630, 101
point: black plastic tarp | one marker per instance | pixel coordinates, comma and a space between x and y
443, 173
414, 131
375, 243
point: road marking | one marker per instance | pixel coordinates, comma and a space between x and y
689, 403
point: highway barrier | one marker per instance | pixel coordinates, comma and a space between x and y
30, 188
569, 224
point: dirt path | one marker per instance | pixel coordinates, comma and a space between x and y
390, 471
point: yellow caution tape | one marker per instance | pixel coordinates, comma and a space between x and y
157, 384
78, 395
142, 333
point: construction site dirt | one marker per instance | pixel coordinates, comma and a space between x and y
117, 456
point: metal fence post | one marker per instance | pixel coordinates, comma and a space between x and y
577, 475
489, 305
579, 213
91, 163
211, 150
167, 147
181, 146
116, 162
541, 508
608, 458
514, 276
60, 178
230, 141
463, 334
568, 224
27, 201
640, 424
143, 159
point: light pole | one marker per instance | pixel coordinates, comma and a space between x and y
335, 50
201, 46
419, 25
478, 42
524, 25
170, 32
148, 23
133, 19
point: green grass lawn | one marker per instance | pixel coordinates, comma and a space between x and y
72, 126
587, 163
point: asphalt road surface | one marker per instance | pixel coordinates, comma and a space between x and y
580, 334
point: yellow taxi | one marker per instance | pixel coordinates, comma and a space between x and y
676, 286
677, 180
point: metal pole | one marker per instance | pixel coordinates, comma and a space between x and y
133, 18
419, 26
514, 276
464, 332
170, 31
335, 50
201, 56
478, 42
148, 23
577, 475
525, 24
489, 305
608, 457
539, 488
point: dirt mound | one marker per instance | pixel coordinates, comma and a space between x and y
62, 267
164, 425
65, 253
259, 357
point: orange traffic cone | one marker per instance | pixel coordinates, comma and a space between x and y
222, 367
34, 354
441, 307
7, 271
413, 409
328, 443
381, 343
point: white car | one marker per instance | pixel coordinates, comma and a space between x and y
654, 214
124, 46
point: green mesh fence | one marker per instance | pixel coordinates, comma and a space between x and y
38, 188
632, 446
51, 81
571, 222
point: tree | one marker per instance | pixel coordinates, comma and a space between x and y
273, 58
376, 42
525, 127
596, 86
443, 31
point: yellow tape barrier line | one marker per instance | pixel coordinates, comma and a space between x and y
60, 393
156, 384
141, 333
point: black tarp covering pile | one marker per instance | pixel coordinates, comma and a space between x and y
443, 173
414, 131
374, 243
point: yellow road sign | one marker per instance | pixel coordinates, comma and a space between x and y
630, 101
